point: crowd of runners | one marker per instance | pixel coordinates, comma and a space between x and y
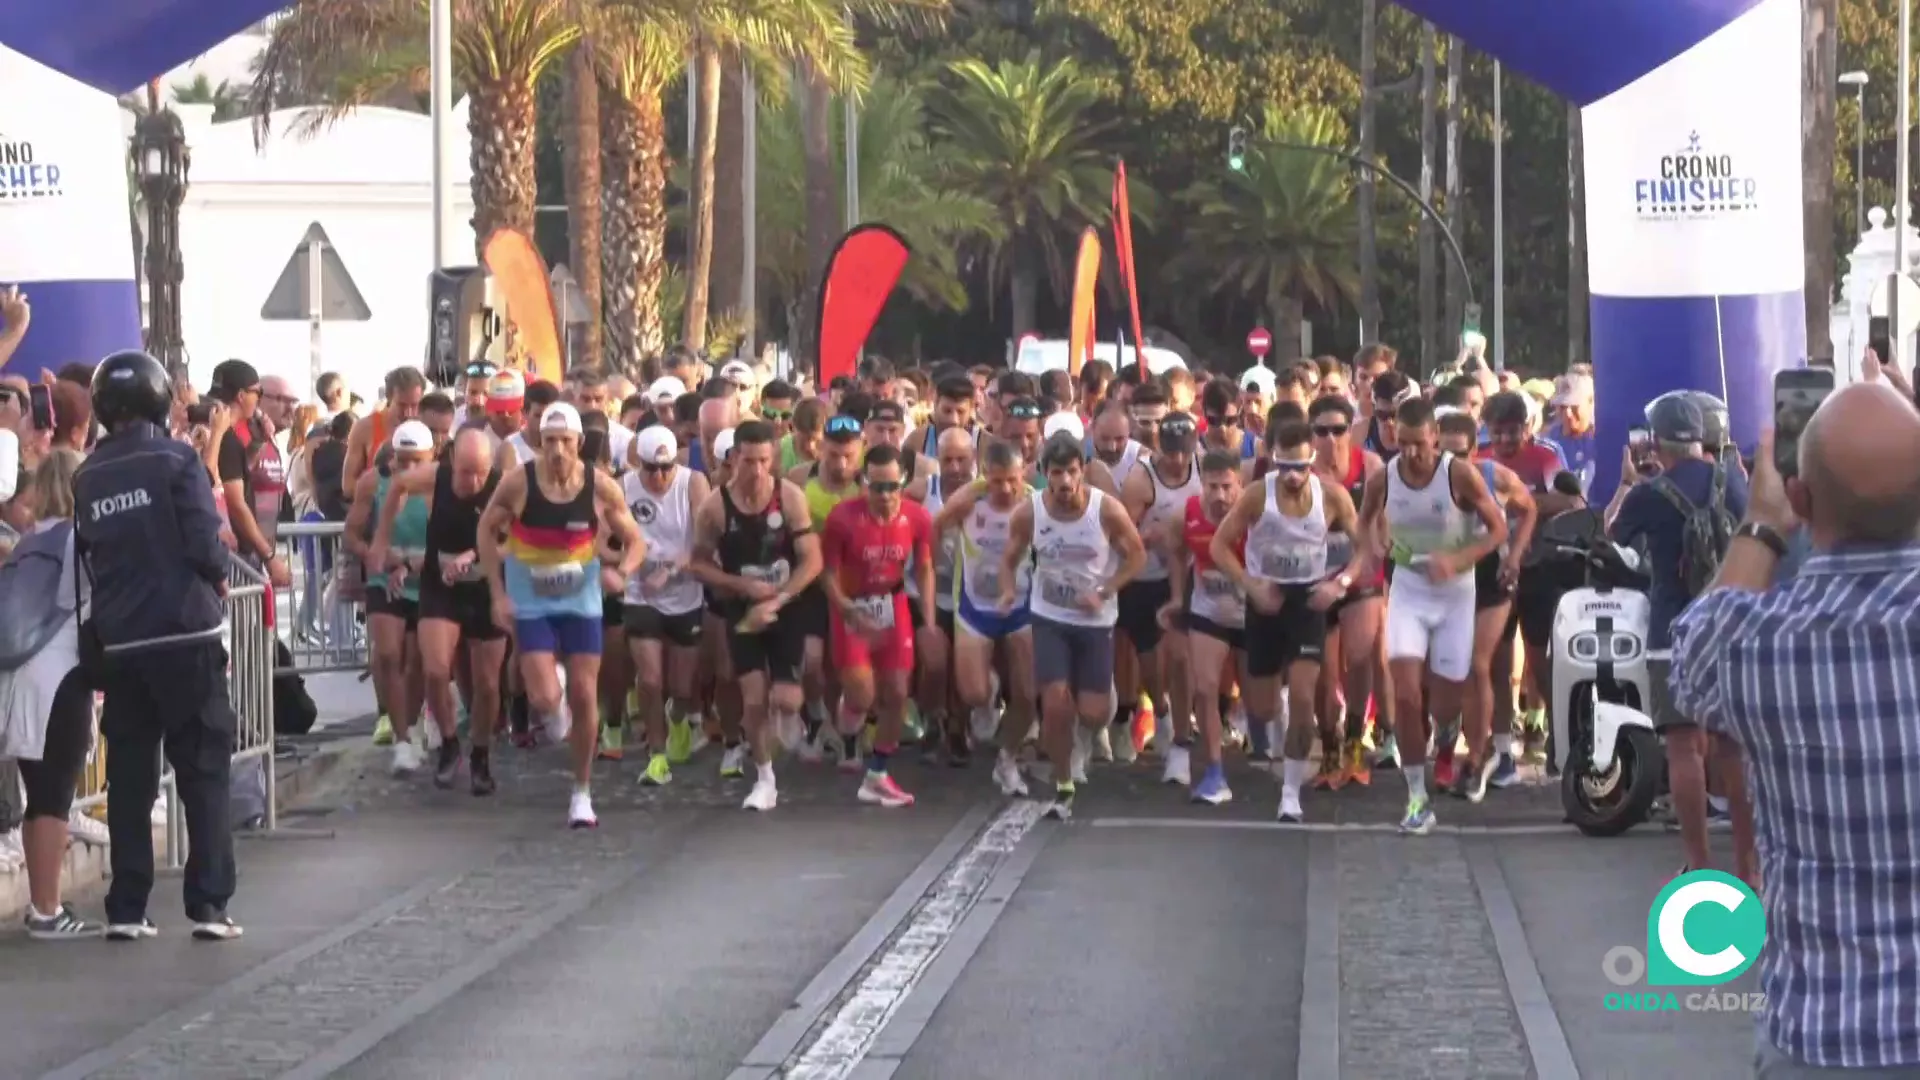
1317, 569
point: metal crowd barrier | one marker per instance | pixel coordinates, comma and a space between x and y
324, 627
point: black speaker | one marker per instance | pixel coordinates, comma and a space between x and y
462, 325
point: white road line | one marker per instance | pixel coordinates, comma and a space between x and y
851, 1033
1343, 827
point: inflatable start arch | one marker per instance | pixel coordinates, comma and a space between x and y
1691, 111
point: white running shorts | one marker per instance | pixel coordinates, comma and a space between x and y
1432, 623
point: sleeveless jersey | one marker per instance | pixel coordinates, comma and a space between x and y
757, 546
1215, 596
1289, 550
946, 550
821, 501
453, 523
983, 546
1167, 505
1425, 520
1071, 559
666, 522
552, 567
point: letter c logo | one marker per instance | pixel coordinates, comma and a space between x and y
1673, 929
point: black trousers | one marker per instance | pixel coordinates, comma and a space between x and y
177, 698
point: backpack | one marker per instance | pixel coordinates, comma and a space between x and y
1705, 531
30, 587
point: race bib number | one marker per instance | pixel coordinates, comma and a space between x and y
1063, 590
1293, 563
653, 568
875, 611
1218, 586
411, 558
555, 581
775, 575
467, 576
986, 581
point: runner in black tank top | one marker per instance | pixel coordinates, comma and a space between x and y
453, 525
760, 546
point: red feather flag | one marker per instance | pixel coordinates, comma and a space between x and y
865, 267
1123, 251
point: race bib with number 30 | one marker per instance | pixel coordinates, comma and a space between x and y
875, 611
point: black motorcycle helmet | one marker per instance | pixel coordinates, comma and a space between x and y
130, 386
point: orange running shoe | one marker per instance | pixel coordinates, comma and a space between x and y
1357, 770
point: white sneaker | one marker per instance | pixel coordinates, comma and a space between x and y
1006, 773
1100, 742
1124, 751
734, 761
580, 811
1082, 750
814, 751
763, 796
983, 723
82, 827
407, 758
791, 729
559, 725
429, 732
1179, 770
1290, 811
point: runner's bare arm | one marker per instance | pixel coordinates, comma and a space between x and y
1100, 478
398, 489
1224, 549
1136, 494
1125, 538
1373, 521
708, 520
509, 499
360, 515
619, 519
1171, 538
800, 474
806, 545
1524, 511
923, 573
956, 508
924, 470
830, 560
1471, 493
357, 454
699, 488
1019, 539
1344, 517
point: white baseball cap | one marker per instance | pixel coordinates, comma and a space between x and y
1063, 421
737, 372
1259, 377
656, 446
722, 445
666, 389
412, 435
560, 417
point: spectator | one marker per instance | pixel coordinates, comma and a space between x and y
46, 717
331, 391
304, 432
1813, 680
72, 415
252, 475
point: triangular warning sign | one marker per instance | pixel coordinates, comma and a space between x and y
291, 298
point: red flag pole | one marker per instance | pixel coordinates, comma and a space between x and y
1123, 250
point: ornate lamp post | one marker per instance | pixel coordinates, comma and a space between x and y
160, 161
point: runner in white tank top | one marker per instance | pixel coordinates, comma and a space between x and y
1155, 494
1429, 500
664, 607
666, 520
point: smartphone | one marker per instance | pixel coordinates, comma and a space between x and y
1880, 338
200, 414
1797, 392
1638, 439
40, 406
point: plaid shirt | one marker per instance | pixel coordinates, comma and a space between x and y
1818, 680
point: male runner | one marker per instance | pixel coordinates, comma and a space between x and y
981, 513
547, 584
392, 593
934, 648
1210, 609
1421, 510
1113, 442
1155, 495
1285, 523
952, 408
754, 545
454, 605
405, 387
1354, 661
826, 483
663, 609
868, 547
1085, 549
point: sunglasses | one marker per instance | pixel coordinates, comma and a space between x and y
1292, 466
885, 487
658, 468
843, 425
481, 371
1223, 419
1330, 431
1024, 411
1176, 428
776, 416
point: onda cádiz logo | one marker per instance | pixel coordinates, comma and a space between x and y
1695, 184
24, 171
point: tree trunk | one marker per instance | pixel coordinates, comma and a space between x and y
1577, 299
729, 198
502, 124
1369, 244
1025, 290
693, 328
581, 163
1455, 317
1819, 75
1288, 316
1429, 299
823, 202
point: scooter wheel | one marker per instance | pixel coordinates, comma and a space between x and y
1611, 804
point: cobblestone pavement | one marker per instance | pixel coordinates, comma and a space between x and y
442, 935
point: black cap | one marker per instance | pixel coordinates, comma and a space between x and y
887, 412
1676, 419
230, 377
1176, 430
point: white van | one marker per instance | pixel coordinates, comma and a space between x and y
1037, 357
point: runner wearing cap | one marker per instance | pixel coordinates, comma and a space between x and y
547, 583
664, 617
1572, 427
393, 588
745, 381
506, 398
454, 606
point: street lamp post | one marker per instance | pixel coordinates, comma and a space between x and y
1858, 80
161, 161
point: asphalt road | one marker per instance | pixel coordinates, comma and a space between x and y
436, 935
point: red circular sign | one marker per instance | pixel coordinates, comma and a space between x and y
1259, 342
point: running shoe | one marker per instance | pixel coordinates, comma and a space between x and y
1290, 811
914, 727
132, 931
1121, 741
763, 797
580, 811
1179, 766
791, 730
679, 741
63, 925
658, 773
1505, 772
218, 927
1082, 750
383, 731
446, 765
1332, 775
1443, 771
1006, 774
983, 723
557, 725
1212, 788
1100, 743
480, 770
734, 762
1419, 820
613, 741
879, 789
1259, 742
1061, 809
1357, 771
406, 758
1476, 783
959, 750
1387, 754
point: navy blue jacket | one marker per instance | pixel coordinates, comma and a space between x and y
144, 516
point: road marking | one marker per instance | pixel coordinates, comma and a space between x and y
847, 1039
1341, 827
1319, 1051
1546, 1040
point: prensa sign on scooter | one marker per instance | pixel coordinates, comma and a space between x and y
1704, 929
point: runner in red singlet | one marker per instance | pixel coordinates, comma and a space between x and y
1212, 610
868, 544
1355, 656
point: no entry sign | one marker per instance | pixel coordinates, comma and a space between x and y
1259, 342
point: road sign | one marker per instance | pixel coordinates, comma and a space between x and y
1259, 342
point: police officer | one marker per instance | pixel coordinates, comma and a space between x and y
147, 526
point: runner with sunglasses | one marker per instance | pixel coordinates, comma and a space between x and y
1354, 668
825, 484
1210, 611
1155, 495
663, 606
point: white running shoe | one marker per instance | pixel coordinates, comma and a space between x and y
1006, 773
1290, 811
734, 761
1100, 742
814, 751
82, 827
406, 758
580, 811
1082, 750
791, 729
763, 796
159, 816
983, 723
559, 725
1121, 735
1179, 769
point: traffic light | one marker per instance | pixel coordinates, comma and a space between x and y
1237, 149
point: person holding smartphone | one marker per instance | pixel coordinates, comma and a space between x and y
250, 472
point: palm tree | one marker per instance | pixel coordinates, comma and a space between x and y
1280, 233
580, 162
904, 181
638, 57
500, 49
228, 101
1023, 137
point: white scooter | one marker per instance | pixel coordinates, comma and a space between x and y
1611, 763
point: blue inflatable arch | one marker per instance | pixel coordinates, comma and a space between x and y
1692, 168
